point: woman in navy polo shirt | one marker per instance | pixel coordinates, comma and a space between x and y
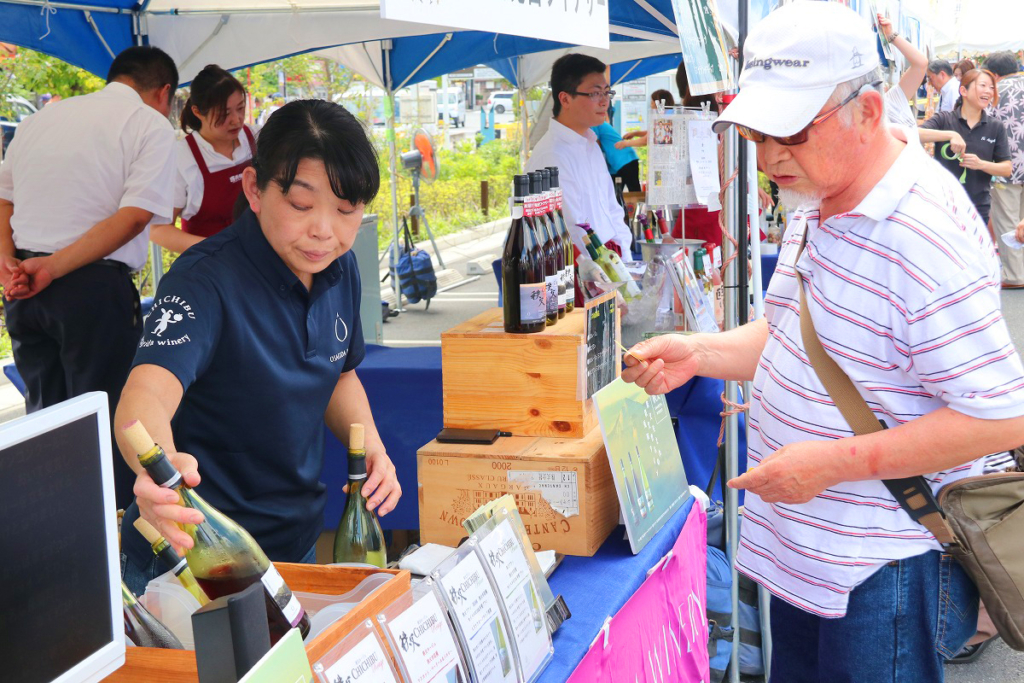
252, 345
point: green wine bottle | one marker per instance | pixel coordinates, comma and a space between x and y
142, 628
224, 558
359, 538
178, 565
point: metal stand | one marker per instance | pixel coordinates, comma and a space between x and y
417, 211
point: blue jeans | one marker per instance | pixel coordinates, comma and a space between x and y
137, 578
901, 624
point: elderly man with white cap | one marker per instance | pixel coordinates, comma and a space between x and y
901, 283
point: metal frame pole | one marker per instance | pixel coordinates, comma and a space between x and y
386, 45
731, 394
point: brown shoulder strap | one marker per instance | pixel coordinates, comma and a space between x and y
912, 493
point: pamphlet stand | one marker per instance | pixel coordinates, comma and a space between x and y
179, 666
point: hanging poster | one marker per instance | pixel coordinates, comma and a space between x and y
703, 43
702, 148
669, 179
644, 457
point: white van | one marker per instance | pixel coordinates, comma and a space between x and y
456, 106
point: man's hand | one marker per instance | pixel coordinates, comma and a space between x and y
885, 26
957, 145
37, 274
635, 134
971, 161
795, 473
667, 362
159, 506
11, 275
1020, 231
381, 487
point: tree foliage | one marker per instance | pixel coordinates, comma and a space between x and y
28, 73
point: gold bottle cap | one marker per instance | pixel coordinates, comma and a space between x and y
138, 437
148, 531
356, 437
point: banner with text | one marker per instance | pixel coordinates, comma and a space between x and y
577, 22
661, 633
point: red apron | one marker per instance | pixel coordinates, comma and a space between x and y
220, 190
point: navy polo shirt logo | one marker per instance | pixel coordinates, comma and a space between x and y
343, 334
167, 312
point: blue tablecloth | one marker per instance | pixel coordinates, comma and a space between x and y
404, 389
597, 587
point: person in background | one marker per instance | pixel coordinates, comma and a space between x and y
897, 99
253, 348
940, 77
986, 149
901, 284
1008, 193
581, 96
210, 160
962, 67
81, 182
623, 162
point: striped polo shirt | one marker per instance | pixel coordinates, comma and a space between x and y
904, 293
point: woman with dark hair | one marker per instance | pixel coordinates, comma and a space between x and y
971, 144
210, 159
253, 343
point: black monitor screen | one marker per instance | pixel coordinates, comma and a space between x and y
55, 595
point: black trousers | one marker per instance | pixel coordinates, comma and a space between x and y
79, 335
630, 174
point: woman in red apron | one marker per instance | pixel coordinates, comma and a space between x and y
211, 158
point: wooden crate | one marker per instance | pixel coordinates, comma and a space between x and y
527, 384
153, 665
456, 479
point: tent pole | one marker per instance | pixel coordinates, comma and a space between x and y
523, 111
392, 156
733, 275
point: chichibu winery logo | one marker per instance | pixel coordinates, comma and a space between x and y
408, 639
163, 325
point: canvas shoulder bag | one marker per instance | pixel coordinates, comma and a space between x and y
978, 520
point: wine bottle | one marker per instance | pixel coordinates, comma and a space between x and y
359, 538
538, 219
224, 558
556, 237
613, 265
522, 271
563, 230
142, 628
178, 565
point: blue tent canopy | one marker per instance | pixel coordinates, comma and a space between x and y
234, 33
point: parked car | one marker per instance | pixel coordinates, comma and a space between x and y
456, 106
22, 109
501, 101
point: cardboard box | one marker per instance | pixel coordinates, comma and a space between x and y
563, 488
526, 384
153, 665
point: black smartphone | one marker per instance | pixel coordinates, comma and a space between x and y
484, 436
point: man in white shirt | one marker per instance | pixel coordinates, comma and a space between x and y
580, 95
940, 77
78, 188
887, 258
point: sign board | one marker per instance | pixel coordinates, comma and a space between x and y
703, 44
485, 73
603, 361
580, 22
661, 633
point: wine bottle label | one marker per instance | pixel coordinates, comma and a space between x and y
357, 467
282, 595
532, 303
162, 471
551, 282
517, 211
570, 285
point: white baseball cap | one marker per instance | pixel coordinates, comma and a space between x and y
793, 60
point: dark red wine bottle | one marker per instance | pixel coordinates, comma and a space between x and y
570, 261
540, 224
524, 291
556, 237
